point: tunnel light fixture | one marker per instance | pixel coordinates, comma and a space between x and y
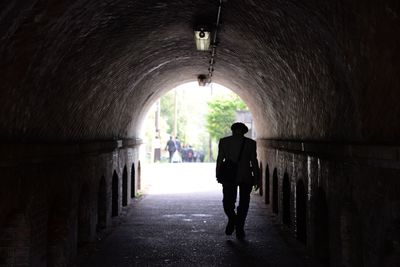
202, 37
202, 79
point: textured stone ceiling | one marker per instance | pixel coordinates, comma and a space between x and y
89, 69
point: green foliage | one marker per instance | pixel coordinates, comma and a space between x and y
221, 115
183, 112
167, 109
194, 126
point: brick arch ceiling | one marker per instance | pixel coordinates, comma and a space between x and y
86, 70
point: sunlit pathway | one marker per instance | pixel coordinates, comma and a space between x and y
186, 228
180, 178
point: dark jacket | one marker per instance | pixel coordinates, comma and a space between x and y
229, 148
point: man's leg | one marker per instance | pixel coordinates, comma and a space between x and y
229, 198
242, 209
170, 156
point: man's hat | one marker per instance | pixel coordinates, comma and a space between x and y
239, 126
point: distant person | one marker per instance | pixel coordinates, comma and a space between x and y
171, 147
178, 144
195, 156
157, 149
200, 156
243, 151
183, 153
190, 154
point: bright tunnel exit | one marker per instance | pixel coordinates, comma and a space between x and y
181, 133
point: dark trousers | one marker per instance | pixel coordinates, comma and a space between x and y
230, 194
171, 153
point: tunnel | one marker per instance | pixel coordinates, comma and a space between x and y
321, 79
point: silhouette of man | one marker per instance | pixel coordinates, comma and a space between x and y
171, 147
247, 175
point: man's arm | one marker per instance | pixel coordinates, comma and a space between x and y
166, 146
220, 157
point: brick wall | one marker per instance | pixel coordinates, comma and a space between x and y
358, 224
55, 204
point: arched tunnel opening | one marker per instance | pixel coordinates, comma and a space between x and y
320, 78
183, 127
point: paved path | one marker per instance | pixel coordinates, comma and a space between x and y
185, 227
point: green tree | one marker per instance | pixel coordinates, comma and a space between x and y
221, 115
167, 109
168, 112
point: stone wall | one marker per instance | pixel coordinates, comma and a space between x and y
56, 200
352, 201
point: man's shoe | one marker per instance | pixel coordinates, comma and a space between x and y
240, 233
230, 227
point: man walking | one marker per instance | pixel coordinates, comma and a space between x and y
171, 147
243, 151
